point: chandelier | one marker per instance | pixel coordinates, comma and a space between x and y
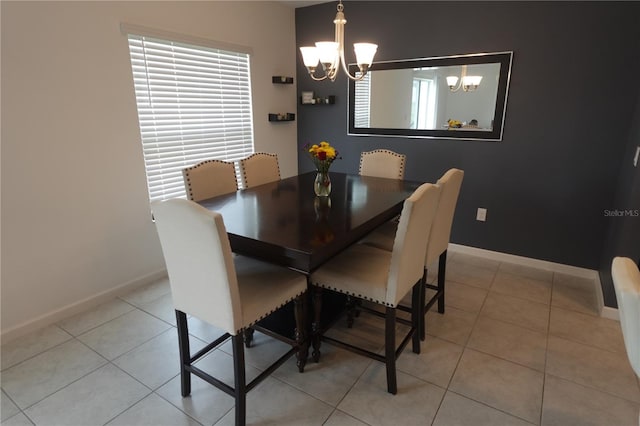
469, 83
331, 53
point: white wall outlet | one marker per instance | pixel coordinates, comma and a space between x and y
481, 215
635, 159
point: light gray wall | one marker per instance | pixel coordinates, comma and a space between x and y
75, 213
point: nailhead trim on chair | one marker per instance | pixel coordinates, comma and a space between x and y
359, 296
200, 164
244, 173
386, 151
272, 311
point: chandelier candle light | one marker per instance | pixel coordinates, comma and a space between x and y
469, 83
322, 156
331, 53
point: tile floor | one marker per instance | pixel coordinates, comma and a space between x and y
516, 346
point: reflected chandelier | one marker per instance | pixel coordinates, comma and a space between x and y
331, 53
469, 83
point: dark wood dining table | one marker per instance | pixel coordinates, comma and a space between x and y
285, 223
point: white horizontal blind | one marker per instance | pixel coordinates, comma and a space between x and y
362, 113
194, 104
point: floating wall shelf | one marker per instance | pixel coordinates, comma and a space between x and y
280, 79
287, 116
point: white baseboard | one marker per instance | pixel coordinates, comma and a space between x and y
589, 274
77, 307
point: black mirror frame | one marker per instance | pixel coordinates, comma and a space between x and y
504, 58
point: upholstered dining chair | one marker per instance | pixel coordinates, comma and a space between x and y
438, 241
382, 163
384, 277
626, 281
226, 291
209, 179
259, 168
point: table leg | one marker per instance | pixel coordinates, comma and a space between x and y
316, 297
301, 312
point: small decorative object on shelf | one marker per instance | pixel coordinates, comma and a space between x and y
285, 116
454, 124
281, 79
328, 100
322, 156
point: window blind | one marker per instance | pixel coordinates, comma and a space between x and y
194, 104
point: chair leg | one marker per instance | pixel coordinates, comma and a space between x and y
185, 354
240, 387
300, 311
390, 349
422, 328
442, 266
248, 336
417, 319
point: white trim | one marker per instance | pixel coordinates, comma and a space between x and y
610, 313
140, 30
78, 307
589, 274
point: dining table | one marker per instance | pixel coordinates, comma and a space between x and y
285, 223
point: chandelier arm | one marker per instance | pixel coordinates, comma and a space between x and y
346, 69
317, 78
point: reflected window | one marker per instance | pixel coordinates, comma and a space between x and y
423, 104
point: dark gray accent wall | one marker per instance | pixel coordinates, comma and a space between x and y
623, 222
567, 125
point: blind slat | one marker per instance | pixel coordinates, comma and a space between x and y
194, 104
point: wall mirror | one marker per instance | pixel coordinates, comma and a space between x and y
447, 97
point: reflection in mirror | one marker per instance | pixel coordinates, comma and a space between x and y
446, 97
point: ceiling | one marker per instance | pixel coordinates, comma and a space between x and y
302, 3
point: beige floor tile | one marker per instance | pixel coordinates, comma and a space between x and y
501, 384
465, 297
85, 321
454, 325
17, 420
161, 308
275, 403
607, 371
331, 378
124, 333
92, 400
469, 259
510, 342
338, 418
567, 404
469, 274
32, 344
460, 411
526, 271
531, 315
525, 288
48, 372
574, 293
415, 403
8, 408
153, 411
436, 362
588, 329
148, 293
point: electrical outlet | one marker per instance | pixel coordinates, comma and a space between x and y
481, 215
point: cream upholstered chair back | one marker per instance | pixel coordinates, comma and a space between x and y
450, 184
199, 262
409, 246
626, 281
259, 168
209, 179
382, 163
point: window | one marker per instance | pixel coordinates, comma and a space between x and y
423, 104
194, 104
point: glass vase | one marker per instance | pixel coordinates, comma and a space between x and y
322, 184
